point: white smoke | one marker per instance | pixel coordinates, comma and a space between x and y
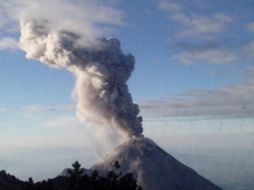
69, 35
101, 70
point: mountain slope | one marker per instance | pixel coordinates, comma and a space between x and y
154, 168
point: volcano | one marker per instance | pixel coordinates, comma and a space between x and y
154, 168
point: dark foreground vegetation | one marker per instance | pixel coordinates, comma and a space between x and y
74, 179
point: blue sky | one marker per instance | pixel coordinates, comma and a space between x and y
193, 79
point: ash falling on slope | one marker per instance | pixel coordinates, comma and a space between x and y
101, 72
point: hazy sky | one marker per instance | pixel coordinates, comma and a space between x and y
194, 82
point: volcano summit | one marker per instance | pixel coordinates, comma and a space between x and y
154, 168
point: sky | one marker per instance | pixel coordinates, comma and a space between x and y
193, 80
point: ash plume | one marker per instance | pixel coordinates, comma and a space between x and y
101, 70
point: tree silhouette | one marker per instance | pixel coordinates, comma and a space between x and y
76, 179
75, 175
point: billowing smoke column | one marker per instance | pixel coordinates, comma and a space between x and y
101, 72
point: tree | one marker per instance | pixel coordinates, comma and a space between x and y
75, 175
76, 180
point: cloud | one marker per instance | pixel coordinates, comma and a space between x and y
63, 122
170, 6
249, 49
2, 20
8, 44
32, 109
203, 34
37, 109
195, 25
200, 26
211, 56
250, 26
2, 109
32, 112
233, 101
212, 52
86, 18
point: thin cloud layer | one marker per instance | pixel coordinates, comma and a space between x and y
8, 44
211, 56
233, 101
197, 26
2, 109
78, 16
33, 109
62, 122
250, 27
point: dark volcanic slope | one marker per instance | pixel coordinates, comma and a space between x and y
154, 168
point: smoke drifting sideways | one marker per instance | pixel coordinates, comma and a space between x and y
101, 70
